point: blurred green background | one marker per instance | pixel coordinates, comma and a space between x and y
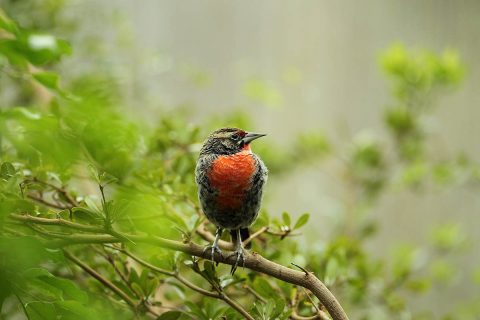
371, 111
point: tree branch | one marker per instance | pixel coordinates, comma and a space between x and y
56, 222
253, 261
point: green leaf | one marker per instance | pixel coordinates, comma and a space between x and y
106, 178
151, 286
86, 214
170, 315
137, 288
76, 309
196, 311
263, 287
331, 271
279, 307
7, 24
302, 220
419, 285
47, 79
62, 288
40, 310
92, 205
7, 170
286, 219
403, 258
260, 91
447, 236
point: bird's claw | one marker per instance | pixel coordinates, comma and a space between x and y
214, 249
239, 256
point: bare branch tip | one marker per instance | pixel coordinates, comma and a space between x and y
301, 268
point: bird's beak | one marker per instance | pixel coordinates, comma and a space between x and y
249, 137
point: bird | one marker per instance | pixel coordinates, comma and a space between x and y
230, 180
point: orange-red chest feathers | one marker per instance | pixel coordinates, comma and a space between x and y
231, 176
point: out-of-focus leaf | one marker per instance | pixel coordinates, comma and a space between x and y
196, 311
75, 309
447, 236
7, 170
66, 288
286, 219
332, 270
170, 315
48, 79
442, 271
260, 91
7, 24
40, 310
419, 285
86, 214
302, 220
476, 276
402, 261
263, 287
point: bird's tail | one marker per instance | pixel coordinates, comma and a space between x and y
244, 234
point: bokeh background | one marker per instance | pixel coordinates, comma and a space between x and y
294, 67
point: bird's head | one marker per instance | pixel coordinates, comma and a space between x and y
228, 141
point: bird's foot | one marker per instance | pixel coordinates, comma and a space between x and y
240, 255
213, 249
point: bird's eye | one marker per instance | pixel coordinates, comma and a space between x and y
235, 137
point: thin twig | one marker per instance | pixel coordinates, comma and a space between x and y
299, 267
45, 202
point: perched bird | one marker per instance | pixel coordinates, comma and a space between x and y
230, 180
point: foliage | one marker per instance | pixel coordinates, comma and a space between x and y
68, 151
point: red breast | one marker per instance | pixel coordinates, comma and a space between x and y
232, 175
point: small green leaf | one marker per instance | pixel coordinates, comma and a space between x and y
286, 219
74, 308
59, 287
279, 307
137, 289
86, 214
7, 170
263, 287
7, 24
210, 270
302, 220
170, 315
152, 286
419, 285
40, 310
48, 79
92, 205
447, 236
106, 179
331, 271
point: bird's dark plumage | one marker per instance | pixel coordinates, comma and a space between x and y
230, 181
